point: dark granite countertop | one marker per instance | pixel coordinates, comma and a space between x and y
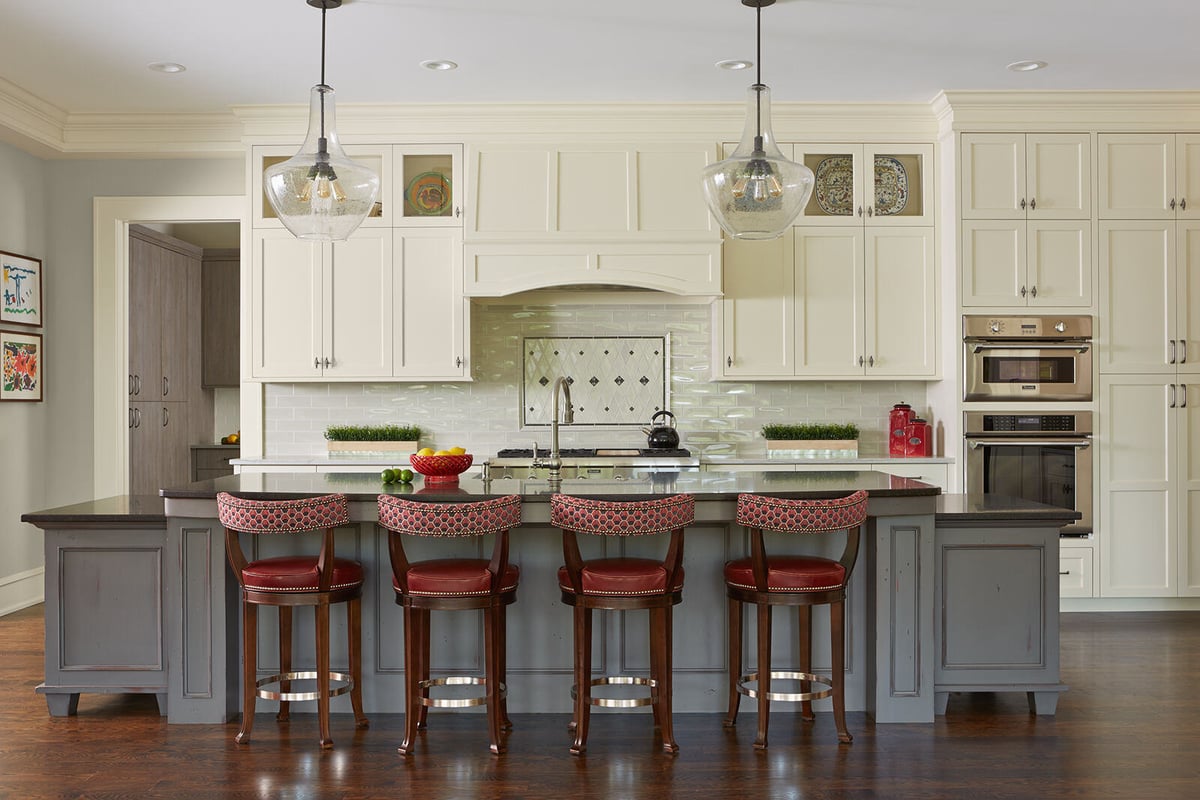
142, 510
972, 507
359, 487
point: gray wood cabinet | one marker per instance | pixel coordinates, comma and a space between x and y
996, 610
212, 461
220, 310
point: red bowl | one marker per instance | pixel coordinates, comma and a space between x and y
441, 469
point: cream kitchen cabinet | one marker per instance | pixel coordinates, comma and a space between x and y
1149, 320
322, 311
577, 192
376, 157
1026, 176
1149, 176
855, 303
1149, 532
426, 185
1014, 263
868, 184
430, 327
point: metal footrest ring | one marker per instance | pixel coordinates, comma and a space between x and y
620, 702
345, 681
790, 697
457, 702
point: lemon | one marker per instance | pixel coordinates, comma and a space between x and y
388, 476
443, 453
425, 451
458, 451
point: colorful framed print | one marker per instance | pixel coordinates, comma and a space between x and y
22, 361
20, 290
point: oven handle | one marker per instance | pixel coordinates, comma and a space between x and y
1079, 348
977, 443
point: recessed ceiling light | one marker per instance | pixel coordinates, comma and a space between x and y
1026, 66
169, 67
439, 65
735, 64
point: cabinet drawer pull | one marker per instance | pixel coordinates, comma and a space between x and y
1171, 404
137, 418
131, 383
860, 361
870, 211
1183, 204
327, 362
1183, 395
870, 361
1022, 203
1064, 572
316, 363
1183, 351
729, 361
860, 211
137, 384
166, 386
1033, 291
166, 416
458, 361
131, 418
1172, 203
1033, 204
1172, 352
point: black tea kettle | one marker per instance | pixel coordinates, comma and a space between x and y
662, 437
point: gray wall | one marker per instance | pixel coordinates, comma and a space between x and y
47, 446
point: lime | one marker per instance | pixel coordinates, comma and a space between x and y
406, 476
388, 476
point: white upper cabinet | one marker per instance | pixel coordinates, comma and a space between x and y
1026, 176
868, 184
426, 184
757, 316
1041, 263
375, 157
1149, 176
429, 330
588, 192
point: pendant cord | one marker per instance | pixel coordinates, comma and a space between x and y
323, 11
758, 76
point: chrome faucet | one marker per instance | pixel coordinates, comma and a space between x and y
554, 460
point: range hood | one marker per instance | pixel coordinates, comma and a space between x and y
687, 269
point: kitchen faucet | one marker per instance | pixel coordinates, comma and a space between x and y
554, 460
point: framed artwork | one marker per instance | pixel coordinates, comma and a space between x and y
21, 357
20, 290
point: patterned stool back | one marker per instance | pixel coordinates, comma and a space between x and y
802, 516
282, 516
622, 518
449, 519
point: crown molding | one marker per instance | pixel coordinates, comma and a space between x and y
1114, 111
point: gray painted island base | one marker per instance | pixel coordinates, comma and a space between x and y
891, 634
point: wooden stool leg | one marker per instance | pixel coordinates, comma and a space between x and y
735, 659
665, 646
412, 676
764, 674
656, 668
502, 658
806, 711
583, 678
491, 671
322, 632
354, 645
837, 627
423, 623
285, 660
249, 669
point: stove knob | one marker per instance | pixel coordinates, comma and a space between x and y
995, 326
1060, 326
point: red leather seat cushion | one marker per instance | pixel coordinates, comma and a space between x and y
298, 574
789, 574
456, 577
622, 576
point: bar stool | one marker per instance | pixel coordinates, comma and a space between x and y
802, 581
622, 584
289, 581
452, 584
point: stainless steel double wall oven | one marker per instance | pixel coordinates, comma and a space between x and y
1045, 455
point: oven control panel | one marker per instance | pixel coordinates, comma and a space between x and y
1077, 422
1068, 327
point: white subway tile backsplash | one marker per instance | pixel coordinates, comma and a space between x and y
485, 414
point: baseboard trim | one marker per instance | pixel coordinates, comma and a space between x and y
22, 590
1118, 604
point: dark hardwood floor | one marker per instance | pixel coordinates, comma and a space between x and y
1128, 728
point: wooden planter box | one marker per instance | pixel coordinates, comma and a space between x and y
831, 447
372, 447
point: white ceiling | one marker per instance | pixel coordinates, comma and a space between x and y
89, 56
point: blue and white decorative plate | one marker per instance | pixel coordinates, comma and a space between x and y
835, 186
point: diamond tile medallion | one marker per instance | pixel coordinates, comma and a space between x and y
618, 380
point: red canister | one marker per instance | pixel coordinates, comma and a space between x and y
898, 419
918, 439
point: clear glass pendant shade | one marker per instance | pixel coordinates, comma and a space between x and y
756, 193
319, 193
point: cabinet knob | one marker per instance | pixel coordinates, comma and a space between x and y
1022, 203
871, 361
1023, 291
1033, 204
1172, 204
860, 211
327, 362
860, 361
458, 361
870, 211
1033, 291
458, 211
316, 363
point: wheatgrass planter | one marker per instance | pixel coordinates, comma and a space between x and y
828, 448
342, 447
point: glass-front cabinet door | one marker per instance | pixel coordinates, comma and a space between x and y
427, 181
375, 157
868, 184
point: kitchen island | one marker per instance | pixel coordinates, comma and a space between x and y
890, 635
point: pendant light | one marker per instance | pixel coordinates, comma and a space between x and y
756, 192
319, 193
